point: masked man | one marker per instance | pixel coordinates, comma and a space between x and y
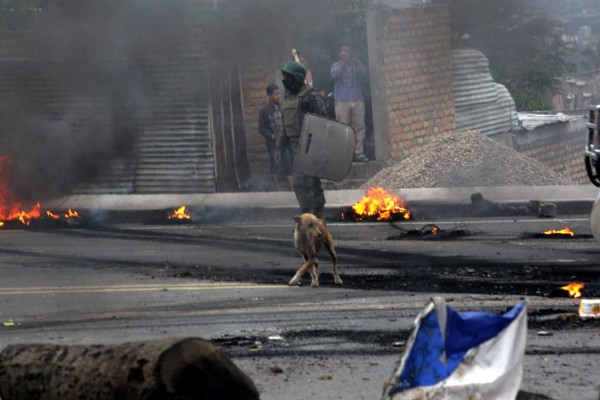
300, 99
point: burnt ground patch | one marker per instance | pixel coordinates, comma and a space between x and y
427, 275
560, 320
305, 342
374, 269
554, 236
309, 341
426, 280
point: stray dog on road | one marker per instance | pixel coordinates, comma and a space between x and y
309, 234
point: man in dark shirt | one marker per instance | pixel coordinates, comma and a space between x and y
269, 125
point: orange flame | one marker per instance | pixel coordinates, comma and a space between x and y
72, 214
381, 204
565, 231
52, 215
180, 214
434, 230
10, 208
574, 289
26, 217
23, 216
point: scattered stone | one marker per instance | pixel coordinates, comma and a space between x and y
466, 159
547, 210
256, 346
522, 395
481, 207
276, 369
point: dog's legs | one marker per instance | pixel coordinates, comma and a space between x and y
314, 274
332, 253
301, 271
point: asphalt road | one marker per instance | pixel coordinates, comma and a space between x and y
226, 282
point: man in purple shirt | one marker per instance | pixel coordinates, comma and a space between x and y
347, 93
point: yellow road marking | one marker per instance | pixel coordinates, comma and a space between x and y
132, 288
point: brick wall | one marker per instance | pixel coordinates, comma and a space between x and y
415, 77
414, 102
559, 146
257, 73
411, 80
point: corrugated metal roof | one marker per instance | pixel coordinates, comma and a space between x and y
480, 103
531, 121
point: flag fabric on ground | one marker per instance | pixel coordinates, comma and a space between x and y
455, 355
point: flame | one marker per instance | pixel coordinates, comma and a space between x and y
574, 289
10, 208
23, 216
381, 204
72, 214
52, 215
565, 231
434, 230
180, 214
35, 213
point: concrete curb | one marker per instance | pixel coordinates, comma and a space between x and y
568, 199
334, 198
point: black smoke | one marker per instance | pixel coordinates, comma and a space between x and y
74, 89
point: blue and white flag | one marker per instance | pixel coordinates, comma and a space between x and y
455, 355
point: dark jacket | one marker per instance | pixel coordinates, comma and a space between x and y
269, 122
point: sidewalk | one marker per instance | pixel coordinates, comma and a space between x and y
569, 199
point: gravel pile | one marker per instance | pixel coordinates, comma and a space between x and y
466, 159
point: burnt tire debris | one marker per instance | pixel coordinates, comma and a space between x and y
429, 232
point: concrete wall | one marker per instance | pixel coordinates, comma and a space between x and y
411, 78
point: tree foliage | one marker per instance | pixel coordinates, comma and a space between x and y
525, 51
290, 6
16, 14
590, 57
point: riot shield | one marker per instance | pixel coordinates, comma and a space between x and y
326, 148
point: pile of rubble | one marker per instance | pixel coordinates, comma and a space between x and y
466, 159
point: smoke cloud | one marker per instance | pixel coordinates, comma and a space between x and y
77, 89
74, 96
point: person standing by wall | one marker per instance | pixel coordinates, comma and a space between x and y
300, 99
348, 97
269, 125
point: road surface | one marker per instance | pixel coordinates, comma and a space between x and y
226, 282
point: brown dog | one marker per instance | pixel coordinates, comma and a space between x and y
309, 234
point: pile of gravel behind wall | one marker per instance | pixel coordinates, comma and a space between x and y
466, 159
